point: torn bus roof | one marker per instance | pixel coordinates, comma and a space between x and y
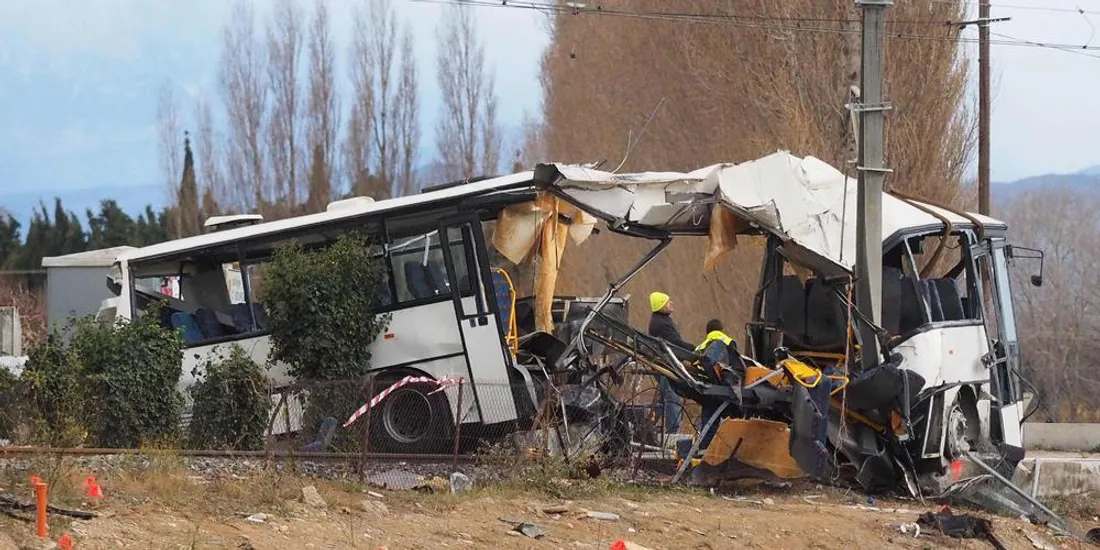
804, 201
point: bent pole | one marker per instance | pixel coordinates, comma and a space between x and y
577, 343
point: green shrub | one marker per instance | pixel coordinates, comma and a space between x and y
133, 369
318, 307
231, 403
59, 393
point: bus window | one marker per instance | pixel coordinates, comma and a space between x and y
418, 266
210, 302
383, 297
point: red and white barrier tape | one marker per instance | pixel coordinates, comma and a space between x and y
443, 383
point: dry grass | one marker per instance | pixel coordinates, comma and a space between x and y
31, 305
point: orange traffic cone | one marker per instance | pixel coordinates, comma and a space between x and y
92, 488
65, 542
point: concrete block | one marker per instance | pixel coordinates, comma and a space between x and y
11, 332
1062, 437
1043, 477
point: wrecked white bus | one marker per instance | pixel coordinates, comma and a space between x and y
440, 290
948, 382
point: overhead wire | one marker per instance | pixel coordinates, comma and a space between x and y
1029, 7
793, 24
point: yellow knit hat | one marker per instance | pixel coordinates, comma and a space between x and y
658, 300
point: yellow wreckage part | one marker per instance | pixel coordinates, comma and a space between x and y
763, 444
794, 369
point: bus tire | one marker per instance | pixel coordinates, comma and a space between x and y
410, 421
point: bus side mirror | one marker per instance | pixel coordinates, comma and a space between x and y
1021, 252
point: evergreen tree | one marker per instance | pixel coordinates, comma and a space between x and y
10, 242
187, 215
111, 227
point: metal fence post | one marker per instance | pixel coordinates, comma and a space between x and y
365, 448
458, 426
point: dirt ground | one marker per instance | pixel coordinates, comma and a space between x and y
169, 506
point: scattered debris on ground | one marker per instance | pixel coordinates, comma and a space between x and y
167, 504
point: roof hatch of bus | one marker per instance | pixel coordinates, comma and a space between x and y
219, 223
348, 203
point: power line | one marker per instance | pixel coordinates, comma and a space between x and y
745, 21
1021, 7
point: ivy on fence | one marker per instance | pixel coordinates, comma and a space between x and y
106, 385
320, 308
231, 403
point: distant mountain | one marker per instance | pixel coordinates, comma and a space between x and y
1087, 180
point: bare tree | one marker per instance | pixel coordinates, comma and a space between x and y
211, 183
169, 133
324, 117
1058, 325
467, 136
530, 145
284, 50
737, 91
408, 116
245, 96
384, 86
358, 144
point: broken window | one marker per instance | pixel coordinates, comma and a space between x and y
944, 277
417, 263
203, 295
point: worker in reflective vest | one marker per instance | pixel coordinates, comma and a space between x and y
714, 349
714, 332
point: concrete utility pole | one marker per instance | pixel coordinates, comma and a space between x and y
983, 107
872, 171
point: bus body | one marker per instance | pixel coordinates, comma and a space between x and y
948, 327
438, 290
951, 326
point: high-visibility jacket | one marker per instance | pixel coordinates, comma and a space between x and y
712, 336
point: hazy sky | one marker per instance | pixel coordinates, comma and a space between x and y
78, 83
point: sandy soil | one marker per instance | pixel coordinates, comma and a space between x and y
173, 508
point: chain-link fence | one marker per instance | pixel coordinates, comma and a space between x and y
426, 418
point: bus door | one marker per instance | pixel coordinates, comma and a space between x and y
468, 272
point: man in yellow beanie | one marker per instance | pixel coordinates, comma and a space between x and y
662, 326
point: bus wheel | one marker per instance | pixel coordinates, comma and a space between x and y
410, 421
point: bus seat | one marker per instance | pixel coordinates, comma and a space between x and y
417, 282
893, 281
825, 318
437, 276
912, 308
950, 302
189, 329
506, 305
242, 321
209, 324
786, 307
